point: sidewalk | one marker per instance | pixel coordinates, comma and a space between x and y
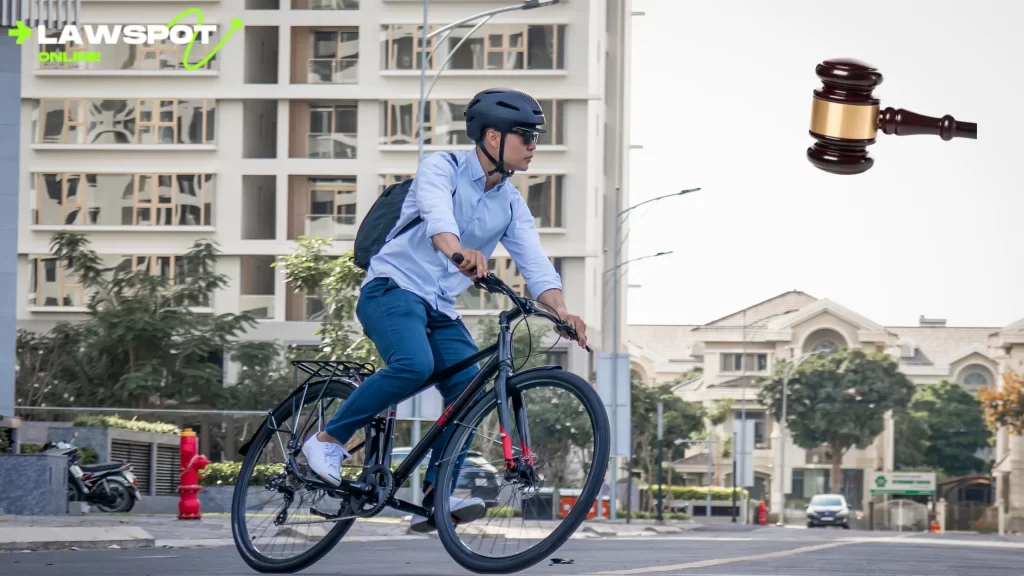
101, 531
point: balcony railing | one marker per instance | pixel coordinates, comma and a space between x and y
337, 145
341, 227
333, 4
257, 305
333, 71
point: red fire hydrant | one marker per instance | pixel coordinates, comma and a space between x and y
762, 513
191, 463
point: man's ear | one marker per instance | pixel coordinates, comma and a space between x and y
492, 137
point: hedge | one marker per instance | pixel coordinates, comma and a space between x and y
698, 492
93, 421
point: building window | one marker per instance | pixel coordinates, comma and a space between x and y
975, 379
543, 194
166, 122
335, 57
385, 180
505, 269
51, 284
492, 47
162, 55
332, 131
757, 417
744, 363
332, 208
70, 199
445, 124
169, 266
325, 4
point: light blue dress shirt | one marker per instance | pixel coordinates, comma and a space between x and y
479, 219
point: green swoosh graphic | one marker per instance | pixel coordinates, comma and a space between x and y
236, 24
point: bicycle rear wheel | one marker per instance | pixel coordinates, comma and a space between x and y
568, 429
272, 521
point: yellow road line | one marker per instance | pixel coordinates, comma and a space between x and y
721, 561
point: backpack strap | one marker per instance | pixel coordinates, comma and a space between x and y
419, 219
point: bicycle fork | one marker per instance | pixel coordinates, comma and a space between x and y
518, 405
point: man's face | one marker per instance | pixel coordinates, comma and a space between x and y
519, 147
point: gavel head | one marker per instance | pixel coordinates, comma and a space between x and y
844, 116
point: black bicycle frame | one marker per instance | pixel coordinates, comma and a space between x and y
381, 432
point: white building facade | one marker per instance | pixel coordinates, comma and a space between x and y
294, 127
733, 351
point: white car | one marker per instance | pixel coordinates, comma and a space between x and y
828, 510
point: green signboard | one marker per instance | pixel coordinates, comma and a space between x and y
909, 483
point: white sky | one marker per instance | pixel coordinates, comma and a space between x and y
721, 100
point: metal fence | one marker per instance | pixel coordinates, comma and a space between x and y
49, 13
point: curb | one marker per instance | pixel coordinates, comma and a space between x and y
79, 538
44, 546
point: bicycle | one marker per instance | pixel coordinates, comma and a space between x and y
376, 485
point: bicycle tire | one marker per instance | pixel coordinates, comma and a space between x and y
602, 449
239, 530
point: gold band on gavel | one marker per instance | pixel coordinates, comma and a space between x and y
847, 121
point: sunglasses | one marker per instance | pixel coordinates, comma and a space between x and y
528, 136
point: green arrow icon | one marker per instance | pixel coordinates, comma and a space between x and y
236, 24
22, 32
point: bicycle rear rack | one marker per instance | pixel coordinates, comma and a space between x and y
329, 369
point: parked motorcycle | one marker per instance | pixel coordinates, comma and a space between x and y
109, 487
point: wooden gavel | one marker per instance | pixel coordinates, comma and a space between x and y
845, 118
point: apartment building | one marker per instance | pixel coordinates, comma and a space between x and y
298, 122
734, 351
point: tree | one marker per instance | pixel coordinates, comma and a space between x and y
838, 400
680, 419
1005, 407
334, 282
943, 428
143, 341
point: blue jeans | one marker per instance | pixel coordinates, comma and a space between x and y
415, 341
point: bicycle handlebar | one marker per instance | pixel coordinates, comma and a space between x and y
493, 284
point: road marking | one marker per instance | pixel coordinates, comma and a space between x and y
721, 561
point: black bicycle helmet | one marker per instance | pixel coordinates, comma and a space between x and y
502, 109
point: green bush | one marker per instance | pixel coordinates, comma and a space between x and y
699, 492
646, 515
226, 473
94, 421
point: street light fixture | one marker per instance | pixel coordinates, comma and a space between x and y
619, 212
446, 30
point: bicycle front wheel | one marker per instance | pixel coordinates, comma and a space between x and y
533, 510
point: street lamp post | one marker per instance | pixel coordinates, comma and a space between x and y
782, 435
616, 264
424, 92
447, 29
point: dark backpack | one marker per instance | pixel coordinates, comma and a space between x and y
381, 219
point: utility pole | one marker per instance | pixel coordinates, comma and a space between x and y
734, 459
660, 448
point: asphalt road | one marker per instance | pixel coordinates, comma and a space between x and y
779, 552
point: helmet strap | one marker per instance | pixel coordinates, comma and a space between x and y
499, 164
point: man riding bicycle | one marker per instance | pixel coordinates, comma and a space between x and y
407, 301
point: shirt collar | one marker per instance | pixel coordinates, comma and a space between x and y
477, 171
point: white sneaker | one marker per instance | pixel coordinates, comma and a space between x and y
463, 510
325, 459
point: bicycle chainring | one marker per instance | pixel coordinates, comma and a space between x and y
383, 482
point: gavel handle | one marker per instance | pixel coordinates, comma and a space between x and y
906, 123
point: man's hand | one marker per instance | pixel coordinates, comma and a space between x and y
577, 324
473, 259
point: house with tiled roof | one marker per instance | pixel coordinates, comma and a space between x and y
732, 352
